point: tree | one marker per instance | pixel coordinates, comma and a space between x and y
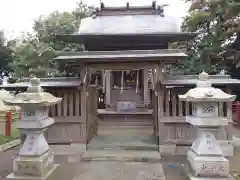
32, 57
35, 53
5, 53
217, 23
61, 23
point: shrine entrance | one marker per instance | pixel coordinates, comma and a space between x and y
129, 82
126, 119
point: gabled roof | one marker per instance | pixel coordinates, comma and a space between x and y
128, 24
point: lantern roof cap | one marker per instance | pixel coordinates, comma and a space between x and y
34, 96
204, 92
203, 76
5, 95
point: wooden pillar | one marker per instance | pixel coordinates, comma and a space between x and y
145, 86
84, 104
229, 116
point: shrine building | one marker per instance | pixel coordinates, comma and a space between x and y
125, 96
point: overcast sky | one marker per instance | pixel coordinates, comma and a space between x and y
17, 16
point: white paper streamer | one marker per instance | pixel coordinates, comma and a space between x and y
103, 80
137, 83
85, 78
122, 81
152, 79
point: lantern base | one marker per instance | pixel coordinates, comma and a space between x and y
208, 166
33, 168
188, 172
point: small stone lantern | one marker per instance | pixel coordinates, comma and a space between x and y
34, 160
205, 157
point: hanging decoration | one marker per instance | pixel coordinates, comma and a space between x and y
137, 83
85, 77
103, 80
122, 81
152, 79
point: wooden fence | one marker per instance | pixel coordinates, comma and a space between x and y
74, 116
173, 128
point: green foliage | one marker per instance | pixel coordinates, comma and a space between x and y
217, 23
32, 57
34, 53
4, 52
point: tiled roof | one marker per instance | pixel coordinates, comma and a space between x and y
47, 82
181, 80
128, 24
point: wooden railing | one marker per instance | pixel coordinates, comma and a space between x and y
173, 127
75, 117
69, 123
173, 107
70, 104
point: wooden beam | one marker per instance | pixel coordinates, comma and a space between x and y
122, 66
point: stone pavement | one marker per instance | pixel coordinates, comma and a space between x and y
6, 161
72, 169
120, 171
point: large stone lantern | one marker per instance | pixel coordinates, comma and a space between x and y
205, 157
34, 161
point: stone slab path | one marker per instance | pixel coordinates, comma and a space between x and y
75, 169
120, 171
121, 155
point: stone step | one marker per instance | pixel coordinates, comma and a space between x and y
113, 112
120, 131
123, 147
125, 129
121, 155
124, 141
126, 123
123, 126
125, 118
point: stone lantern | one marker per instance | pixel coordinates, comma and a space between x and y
205, 157
35, 160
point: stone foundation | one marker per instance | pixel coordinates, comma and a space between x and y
33, 168
206, 166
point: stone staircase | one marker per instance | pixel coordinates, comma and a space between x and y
111, 122
121, 155
123, 137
